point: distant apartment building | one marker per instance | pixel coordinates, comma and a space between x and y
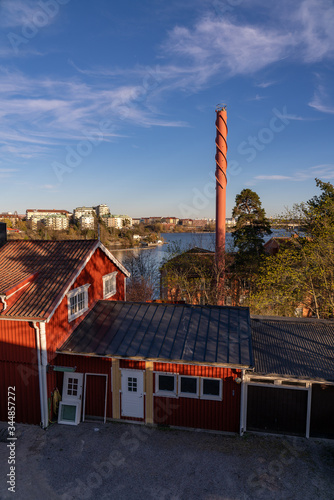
87, 222
118, 221
102, 210
83, 212
57, 223
186, 222
13, 217
169, 220
57, 220
200, 222
42, 214
230, 222
135, 221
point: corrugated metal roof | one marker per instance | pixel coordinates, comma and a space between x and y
180, 332
47, 267
292, 347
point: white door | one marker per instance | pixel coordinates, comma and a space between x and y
72, 386
132, 393
70, 407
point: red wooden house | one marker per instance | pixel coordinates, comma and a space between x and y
169, 364
46, 290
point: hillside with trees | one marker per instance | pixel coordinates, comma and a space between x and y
299, 279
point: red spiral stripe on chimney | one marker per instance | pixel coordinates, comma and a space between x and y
221, 180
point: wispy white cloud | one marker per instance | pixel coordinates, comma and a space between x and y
325, 171
239, 49
264, 85
321, 100
39, 114
257, 98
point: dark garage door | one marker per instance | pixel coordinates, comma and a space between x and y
276, 409
322, 411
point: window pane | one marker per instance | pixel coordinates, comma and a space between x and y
189, 385
211, 387
110, 285
166, 383
68, 412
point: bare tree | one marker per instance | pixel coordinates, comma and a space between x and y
144, 281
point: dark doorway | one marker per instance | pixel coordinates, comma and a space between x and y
277, 410
95, 396
322, 412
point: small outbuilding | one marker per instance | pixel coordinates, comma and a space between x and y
291, 389
178, 365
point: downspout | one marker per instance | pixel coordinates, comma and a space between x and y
242, 404
42, 364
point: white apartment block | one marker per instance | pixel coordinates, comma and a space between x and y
118, 221
54, 222
102, 210
57, 223
42, 214
83, 212
87, 222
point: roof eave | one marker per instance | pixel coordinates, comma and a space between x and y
158, 360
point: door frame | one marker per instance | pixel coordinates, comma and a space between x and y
277, 383
105, 396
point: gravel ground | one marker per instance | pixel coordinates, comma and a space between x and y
132, 462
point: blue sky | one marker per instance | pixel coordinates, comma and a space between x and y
114, 102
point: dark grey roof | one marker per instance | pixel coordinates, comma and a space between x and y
292, 347
181, 332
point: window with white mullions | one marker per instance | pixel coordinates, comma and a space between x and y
77, 301
109, 285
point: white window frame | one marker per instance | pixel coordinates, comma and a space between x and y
188, 394
166, 394
211, 396
105, 279
74, 293
77, 405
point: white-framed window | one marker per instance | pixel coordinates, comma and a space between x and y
212, 388
165, 384
109, 285
188, 386
69, 412
77, 302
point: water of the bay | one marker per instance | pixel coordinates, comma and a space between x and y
184, 241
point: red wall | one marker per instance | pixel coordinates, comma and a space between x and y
200, 413
183, 412
19, 368
18, 356
95, 392
59, 327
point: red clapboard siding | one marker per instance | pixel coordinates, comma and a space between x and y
99, 265
200, 413
87, 364
24, 377
17, 342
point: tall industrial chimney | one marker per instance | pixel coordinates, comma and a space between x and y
221, 181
